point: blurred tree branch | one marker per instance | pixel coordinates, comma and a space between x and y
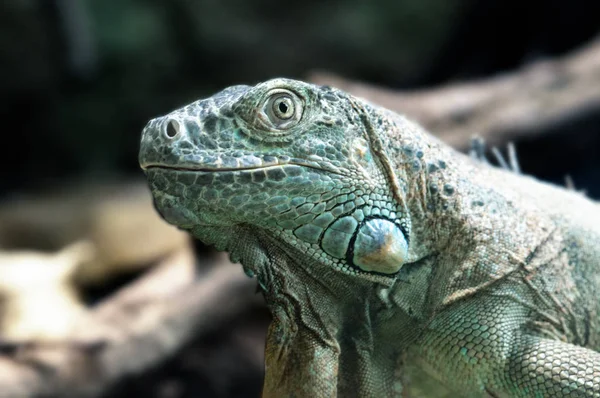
135, 329
499, 108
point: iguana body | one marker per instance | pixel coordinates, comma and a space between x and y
390, 262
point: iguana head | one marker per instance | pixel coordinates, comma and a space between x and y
292, 159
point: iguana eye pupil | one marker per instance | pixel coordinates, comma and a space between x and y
283, 107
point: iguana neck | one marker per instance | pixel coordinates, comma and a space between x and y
428, 173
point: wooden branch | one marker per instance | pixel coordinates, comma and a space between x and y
116, 216
133, 330
500, 108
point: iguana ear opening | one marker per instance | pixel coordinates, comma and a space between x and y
382, 245
377, 147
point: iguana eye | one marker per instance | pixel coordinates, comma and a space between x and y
283, 109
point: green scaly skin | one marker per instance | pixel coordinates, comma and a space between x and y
392, 265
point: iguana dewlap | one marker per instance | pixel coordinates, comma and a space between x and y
392, 264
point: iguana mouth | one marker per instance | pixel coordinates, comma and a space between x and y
207, 169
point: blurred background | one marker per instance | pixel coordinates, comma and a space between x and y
80, 78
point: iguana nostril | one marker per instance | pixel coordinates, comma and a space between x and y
172, 128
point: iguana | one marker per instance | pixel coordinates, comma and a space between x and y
390, 262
